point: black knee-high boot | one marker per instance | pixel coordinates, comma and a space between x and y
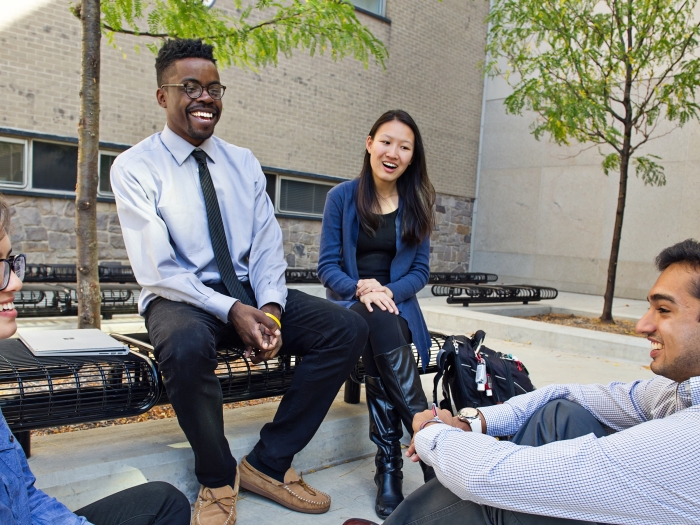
385, 431
401, 380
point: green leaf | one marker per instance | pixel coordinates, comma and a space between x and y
650, 171
254, 36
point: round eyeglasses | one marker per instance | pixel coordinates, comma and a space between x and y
14, 263
195, 90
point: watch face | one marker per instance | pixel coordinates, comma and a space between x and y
469, 413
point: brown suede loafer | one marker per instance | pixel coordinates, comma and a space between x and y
216, 506
294, 493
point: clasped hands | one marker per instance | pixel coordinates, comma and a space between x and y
420, 418
260, 334
370, 291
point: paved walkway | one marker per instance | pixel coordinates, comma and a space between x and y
159, 450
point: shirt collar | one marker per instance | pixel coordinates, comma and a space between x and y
691, 390
180, 149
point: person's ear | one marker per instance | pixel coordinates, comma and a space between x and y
369, 144
161, 98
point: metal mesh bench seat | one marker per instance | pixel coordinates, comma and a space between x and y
50, 300
241, 380
51, 391
465, 294
39, 392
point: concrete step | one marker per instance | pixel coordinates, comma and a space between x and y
452, 319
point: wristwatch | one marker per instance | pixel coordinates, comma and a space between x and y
470, 416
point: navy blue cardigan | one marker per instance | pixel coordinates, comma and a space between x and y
337, 263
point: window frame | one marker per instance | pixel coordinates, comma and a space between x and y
381, 15
105, 152
278, 191
30, 185
27, 164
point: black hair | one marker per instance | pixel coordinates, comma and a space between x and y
414, 187
686, 252
175, 49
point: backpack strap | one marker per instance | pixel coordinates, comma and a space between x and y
441, 361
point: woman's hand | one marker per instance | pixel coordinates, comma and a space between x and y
380, 299
365, 286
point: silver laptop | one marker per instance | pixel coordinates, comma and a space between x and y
85, 342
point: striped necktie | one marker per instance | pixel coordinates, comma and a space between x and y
217, 232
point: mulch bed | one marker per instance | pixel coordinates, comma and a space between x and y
590, 323
158, 412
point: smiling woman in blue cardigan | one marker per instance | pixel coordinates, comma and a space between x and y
374, 258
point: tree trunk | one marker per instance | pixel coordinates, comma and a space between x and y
617, 236
89, 297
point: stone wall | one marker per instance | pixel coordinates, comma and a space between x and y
451, 239
44, 229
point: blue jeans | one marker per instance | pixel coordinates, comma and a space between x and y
433, 504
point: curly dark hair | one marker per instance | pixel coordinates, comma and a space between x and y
686, 252
175, 49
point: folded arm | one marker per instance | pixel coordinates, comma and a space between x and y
617, 405
641, 475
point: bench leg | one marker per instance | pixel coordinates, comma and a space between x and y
24, 437
352, 392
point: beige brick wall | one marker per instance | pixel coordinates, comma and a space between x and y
307, 114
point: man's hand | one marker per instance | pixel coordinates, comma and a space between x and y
418, 420
260, 334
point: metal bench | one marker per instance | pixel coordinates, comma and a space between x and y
465, 294
52, 391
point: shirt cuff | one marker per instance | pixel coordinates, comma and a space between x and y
220, 305
272, 296
497, 418
426, 439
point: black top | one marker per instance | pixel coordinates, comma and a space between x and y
374, 254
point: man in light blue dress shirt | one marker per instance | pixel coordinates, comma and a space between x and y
157, 185
623, 453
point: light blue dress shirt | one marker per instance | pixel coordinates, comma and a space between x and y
646, 473
21, 503
164, 222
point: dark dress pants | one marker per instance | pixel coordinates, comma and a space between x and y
155, 503
433, 504
329, 339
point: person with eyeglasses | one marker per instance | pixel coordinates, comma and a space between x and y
155, 503
204, 244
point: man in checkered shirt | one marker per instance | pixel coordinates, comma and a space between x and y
623, 453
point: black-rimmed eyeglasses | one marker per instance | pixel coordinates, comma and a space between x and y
195, 90
14, 263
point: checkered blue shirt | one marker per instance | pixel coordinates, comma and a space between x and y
647, 472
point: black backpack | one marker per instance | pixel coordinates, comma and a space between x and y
475, 376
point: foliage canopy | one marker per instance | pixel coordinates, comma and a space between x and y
593, 70
249, 35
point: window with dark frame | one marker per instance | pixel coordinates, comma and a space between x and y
54, 166
106, 160
12, 168
302, 197
373, 6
